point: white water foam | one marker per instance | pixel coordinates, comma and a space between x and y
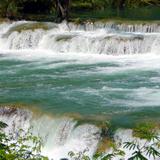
79, 45
65, 38
126, 135
60, 135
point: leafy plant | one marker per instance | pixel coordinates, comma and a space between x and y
20, 147
98, 156
147, 132
27, 146
15, 8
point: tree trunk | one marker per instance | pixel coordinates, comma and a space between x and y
62, 8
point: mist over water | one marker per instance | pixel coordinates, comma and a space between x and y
96, 70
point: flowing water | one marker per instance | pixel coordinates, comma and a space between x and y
93, 72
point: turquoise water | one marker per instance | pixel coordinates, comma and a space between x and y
71, 78
97, 71
124, 89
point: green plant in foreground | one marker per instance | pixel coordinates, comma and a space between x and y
148, 133
98, 156
150, 147
24, 146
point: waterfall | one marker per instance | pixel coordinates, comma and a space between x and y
93, 38
126, 135
23, 40
61, 135
55, 62
120, 26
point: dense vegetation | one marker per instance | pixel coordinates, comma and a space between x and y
15, 9
20, 146
102, 4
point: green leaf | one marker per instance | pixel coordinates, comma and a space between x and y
3, 125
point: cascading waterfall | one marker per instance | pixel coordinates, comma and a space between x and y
64, 134
110, 39
23, 40
61, 135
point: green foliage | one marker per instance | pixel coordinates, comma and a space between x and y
20, 147
139, 152
98, 156
90, 4
8, 8
3, 125
138, 3
79, 155
147, 132
17, 8
101, 4
103, 156
27, 146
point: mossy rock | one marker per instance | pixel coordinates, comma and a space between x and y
147, 131
64, 38
29, 26
105, 144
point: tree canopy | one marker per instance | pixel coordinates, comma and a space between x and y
18, 8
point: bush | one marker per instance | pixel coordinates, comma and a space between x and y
20, 147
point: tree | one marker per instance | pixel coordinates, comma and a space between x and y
62, 9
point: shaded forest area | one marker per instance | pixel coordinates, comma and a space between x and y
20, 9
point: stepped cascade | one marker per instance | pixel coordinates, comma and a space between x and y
59, 134
82, 75
109, 38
